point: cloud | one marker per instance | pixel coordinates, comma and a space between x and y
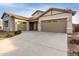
75, 18
7, 4
26, 13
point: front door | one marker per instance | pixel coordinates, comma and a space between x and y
31, 25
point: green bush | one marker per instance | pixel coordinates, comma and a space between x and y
73, 41
9, 35
17, 32
77, 41
76, 53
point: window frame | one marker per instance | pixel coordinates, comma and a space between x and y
6, 23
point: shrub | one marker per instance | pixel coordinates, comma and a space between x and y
9, 35
76, 53
17, 32
77, 41
6, 34
73, 41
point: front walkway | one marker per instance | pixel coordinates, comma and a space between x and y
32, 43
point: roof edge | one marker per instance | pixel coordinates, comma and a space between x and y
37, 11
58, 9
3, 15
14, 15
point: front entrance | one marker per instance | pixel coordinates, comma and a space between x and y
33, 26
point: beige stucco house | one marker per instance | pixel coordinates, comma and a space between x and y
12, 22
1, 25
51, 20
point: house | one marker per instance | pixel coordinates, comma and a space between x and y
75, 27
51, 20
1, 25
12, 22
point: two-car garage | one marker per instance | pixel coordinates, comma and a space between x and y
54, 25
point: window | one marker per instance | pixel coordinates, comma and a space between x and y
0, 27
6, 23
24, 22
54, 20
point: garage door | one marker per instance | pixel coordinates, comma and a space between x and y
57, 25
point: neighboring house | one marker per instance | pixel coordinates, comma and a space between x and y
1, 25
75, 27
51, 20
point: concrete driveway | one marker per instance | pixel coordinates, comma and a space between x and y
32, 43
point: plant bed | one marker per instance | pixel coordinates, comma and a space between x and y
2, 38
17, 32
73, 46
74, 41
76, 53
9, 34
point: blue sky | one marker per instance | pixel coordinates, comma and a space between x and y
26, 9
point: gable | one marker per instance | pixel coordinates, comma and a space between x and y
48, 13
4, 14
56, 11
37, 14
5, 17
10, 15
52, 12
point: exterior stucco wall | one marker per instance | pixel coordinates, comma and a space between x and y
1, 25
10, 24
35, 25
17, 22
52, 13
48, 13
58, 16
27, 25
56, 12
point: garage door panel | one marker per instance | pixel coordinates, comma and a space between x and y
54, 26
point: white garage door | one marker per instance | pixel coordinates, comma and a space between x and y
57, 25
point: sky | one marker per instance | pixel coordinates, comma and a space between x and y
26, 9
